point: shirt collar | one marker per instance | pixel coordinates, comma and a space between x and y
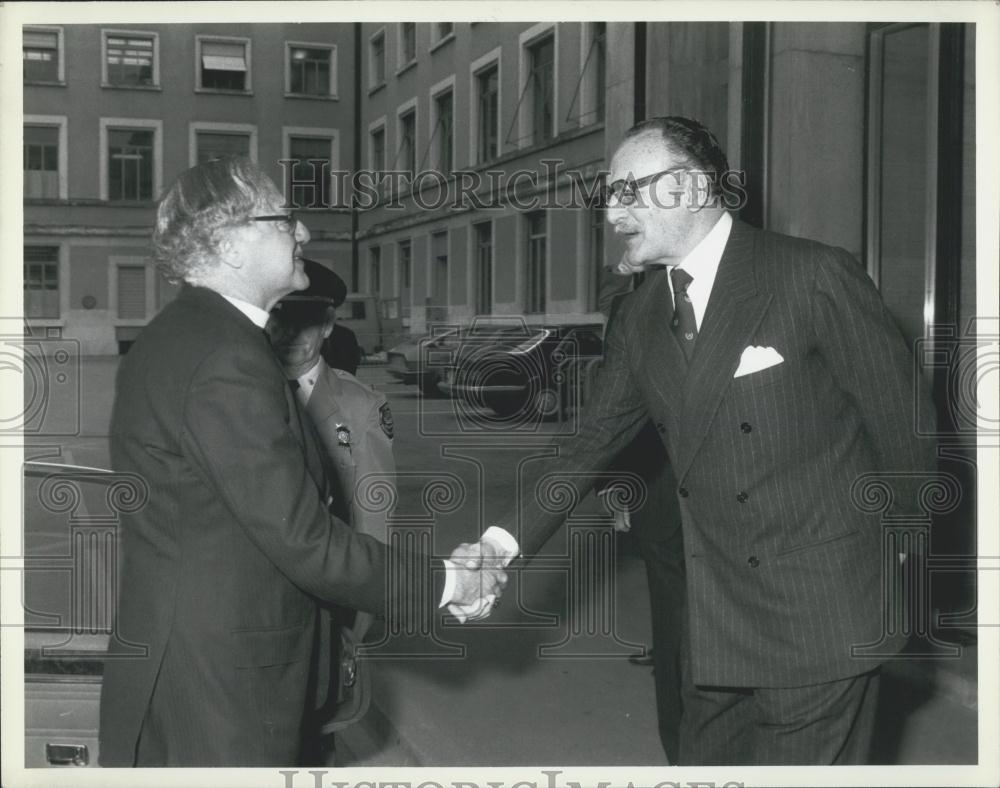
703, 261
257, 315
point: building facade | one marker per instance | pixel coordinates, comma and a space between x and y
112, 115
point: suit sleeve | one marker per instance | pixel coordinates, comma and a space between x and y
871, 363
613, 415
236, 429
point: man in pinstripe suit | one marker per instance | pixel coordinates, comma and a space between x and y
776, 378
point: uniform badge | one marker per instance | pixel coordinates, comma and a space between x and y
343, 435
385, 420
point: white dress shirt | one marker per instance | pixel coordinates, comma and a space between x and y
307, 382
257, 315
702, 263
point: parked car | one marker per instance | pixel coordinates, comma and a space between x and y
408, 361
421, 360
536, 372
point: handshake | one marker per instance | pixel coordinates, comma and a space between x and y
476, 577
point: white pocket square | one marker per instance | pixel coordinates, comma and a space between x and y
756, 358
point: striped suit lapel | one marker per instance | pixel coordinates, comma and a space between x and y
734, 311
659, 351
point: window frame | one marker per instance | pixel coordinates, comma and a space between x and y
200, 40
402, 64
372, 84
402, 286
210, 127
131, 261
113, 31
477, 68
589, 103
445, 87
318, 132
437, 40
333, 90
61, 122
528, 40
431, 266
527, 245
146, 124
477, 282
62, 283
60, 53
404, 109
375, 270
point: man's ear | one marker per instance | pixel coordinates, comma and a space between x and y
228, 255
331, 319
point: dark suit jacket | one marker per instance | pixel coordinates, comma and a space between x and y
784, 571
223, 566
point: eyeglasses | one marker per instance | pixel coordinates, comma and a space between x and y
286, 221
624, 190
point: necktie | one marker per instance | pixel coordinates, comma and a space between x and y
684, 326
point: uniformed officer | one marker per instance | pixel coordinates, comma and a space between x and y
352, 418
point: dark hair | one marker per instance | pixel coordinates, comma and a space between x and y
199, 206
690, 140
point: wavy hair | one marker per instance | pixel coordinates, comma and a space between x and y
200, 207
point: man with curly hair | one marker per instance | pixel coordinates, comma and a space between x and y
214, 657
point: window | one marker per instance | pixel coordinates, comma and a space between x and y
541, 83
311, 170
405, 275
375, 270
41, 281
312, 70
42, 53
484, 268
535, 281
130, 59
488, 120
131, 292
130, 164
407, 155
444, 133
215, 145
224, 64
376, 55
597, 62
439, 269
442, 30
407, 43
41, 161
377, 159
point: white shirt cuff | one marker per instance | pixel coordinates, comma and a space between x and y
449, 582
504, 540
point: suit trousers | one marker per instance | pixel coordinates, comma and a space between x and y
664, 559
817, 725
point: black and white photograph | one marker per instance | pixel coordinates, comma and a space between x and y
566, 394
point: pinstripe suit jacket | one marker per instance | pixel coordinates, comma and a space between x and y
784, 572
223, 566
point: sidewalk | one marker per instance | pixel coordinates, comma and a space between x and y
601, 712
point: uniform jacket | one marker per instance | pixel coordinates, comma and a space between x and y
355, 425
222, 567
784, 570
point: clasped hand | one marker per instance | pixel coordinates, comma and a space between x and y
479, 579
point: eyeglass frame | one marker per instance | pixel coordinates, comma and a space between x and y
617, 188
289, 219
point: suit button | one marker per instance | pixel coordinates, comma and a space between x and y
683, 492
660, 426
746, 427
742, 497
753, 562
